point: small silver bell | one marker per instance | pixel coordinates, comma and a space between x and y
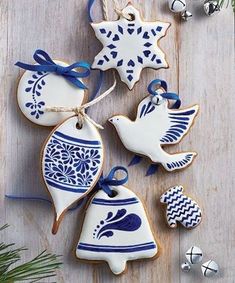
186, 15
211, 7
209, 268
185, 267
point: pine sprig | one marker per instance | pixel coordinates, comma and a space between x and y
42, 266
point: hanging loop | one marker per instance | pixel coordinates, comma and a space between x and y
104, 183
46, 64
156, 84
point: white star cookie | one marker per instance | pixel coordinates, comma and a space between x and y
130, 45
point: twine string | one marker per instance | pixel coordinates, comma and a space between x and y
80, 110
116, 8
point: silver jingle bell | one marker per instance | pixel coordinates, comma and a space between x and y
185, 267
157, 99
209, 268
211, 7
186, 15
177, 6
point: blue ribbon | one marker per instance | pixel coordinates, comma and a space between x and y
104, 183
89, 6
168, 95
46, 64
14, 197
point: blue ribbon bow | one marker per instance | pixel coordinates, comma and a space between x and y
46, 64
104, 183
168, 95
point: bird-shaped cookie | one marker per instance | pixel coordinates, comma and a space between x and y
155, 126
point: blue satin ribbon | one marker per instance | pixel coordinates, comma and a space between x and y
167, 95
14, 197
89, 6
104, 183
46, 64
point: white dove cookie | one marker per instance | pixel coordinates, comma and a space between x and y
154, 127
181, 208
129, 45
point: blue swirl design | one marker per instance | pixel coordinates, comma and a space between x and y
35, 85
120, 221
71, 164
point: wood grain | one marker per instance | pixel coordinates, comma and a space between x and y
200, 54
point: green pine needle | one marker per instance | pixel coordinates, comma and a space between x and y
42, 266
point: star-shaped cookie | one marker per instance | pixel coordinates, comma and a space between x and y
130, 45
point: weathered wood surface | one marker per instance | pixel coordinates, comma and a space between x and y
200, 54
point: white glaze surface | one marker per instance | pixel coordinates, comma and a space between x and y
155, 126
130, 46
136, 230
72, 161
54, 90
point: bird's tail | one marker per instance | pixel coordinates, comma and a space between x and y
179, 161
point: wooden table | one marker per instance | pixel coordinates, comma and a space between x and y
200, 54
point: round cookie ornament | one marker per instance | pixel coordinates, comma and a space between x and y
182, 209
129, 45
116, 228
72, 160
50, 83
157, 125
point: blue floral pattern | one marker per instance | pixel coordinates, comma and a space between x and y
70, 165
34, 87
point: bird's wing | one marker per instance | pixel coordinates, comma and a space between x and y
179, 122
145, 107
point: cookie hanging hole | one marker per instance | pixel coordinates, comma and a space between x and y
113, 194
131, 17
79, 125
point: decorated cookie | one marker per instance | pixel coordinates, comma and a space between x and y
181, 208
155, 126
129, 45
58, 86
72, 161
116, 230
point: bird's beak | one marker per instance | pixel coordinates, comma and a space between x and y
110, 120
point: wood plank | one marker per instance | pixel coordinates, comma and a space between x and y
200, 55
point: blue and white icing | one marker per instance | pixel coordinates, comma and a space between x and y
161, 126
130, 45
71, 162
116, 230
38, 90
121, 221
181, 208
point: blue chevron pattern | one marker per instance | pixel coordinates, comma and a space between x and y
181, 208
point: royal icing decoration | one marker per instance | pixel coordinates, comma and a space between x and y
181, 208
72, 161
130, 45
194, 255
155, 126
38, 90
116, 230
